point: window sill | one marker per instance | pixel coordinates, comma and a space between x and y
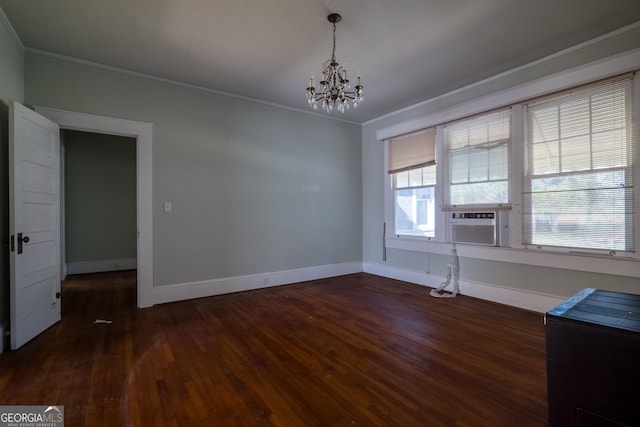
593, 263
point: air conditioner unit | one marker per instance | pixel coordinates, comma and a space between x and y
478, 228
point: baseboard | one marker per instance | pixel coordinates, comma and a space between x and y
99, 266
528, 300
520, 298
206, 288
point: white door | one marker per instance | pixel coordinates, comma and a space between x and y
34, 223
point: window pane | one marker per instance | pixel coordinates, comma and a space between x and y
478, 134
546, 158
585, 211
499, 163
594, 180
608, 110
499, 129
544, 124
401, 179
609, 149
458, 137
429, 175
478, 165
480, 193
459, 166
415, 212
419, 177
415, 177
576, 154
574, 118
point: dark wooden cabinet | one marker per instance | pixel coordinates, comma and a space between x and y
593, 360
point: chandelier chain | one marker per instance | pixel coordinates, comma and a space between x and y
333, 52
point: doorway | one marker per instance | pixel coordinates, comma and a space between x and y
143, 134
98, 186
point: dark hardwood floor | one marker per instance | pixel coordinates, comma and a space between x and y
356, 350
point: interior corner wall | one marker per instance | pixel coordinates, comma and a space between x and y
555, 281
11, 88
254, 188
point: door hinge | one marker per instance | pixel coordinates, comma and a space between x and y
12, 244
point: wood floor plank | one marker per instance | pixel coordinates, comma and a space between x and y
356, 350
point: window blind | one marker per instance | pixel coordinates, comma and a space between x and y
578, 182
478, 158
410, 151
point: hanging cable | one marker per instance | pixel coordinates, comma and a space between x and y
384, 241
453, 276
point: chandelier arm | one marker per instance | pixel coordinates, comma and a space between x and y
346, 94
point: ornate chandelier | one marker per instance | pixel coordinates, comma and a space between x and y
334, 90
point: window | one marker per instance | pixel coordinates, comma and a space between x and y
578, 183
478, 159
412, 170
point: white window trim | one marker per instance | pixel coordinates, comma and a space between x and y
517, 253
516, 172
440, 194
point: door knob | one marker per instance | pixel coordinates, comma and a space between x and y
21, 240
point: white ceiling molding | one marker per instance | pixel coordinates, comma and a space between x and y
12, 32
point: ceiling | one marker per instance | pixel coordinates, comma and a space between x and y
406, 50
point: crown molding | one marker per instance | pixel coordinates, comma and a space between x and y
12, 32
179, 83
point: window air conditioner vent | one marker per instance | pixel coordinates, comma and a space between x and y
474, 227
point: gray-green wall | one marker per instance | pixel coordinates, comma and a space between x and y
99, 196
254, 188
552, 281
11, 88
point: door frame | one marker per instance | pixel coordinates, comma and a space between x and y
143, 134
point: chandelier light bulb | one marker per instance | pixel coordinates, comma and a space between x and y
334, 87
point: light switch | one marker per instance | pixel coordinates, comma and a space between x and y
167, 206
